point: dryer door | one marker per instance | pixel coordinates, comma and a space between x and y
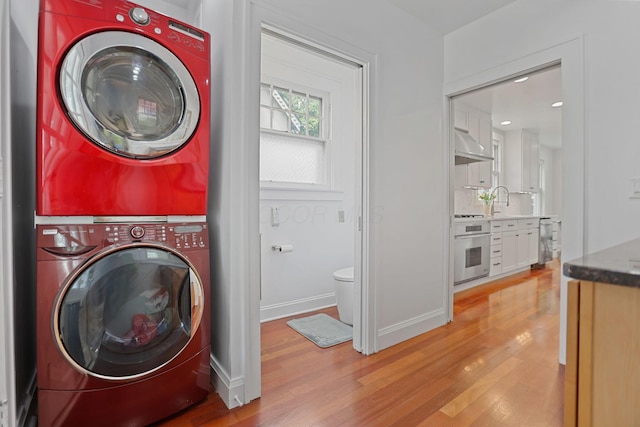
129, 95
128, 311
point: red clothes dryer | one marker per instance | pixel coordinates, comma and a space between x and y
122, 322
122, 111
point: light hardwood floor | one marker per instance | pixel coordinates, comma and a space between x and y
496, 364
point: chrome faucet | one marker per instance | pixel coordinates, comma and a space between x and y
495, 192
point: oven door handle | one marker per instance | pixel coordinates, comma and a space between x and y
472, 236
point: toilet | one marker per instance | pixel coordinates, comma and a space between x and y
343, 280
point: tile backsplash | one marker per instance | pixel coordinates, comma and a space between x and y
466, 202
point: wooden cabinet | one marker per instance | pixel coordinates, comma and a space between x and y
602, 375
479, 126
522, 161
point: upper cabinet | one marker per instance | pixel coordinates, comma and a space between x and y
521, 161
478, 124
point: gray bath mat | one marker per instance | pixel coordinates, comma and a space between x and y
323, 330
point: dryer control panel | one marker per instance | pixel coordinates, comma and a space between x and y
80, 240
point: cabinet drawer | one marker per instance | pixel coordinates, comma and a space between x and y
497, 226
509, 225
528, 223
496, 238
496, 251
495, 267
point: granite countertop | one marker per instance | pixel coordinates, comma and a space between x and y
618, 265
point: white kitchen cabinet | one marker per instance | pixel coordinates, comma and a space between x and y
495, 267
521, 161
479, 126
519, 242
530, 228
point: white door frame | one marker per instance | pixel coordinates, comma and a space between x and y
358, 166
570, 54
7, 363
259, 16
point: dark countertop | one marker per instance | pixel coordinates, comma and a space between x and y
619, 265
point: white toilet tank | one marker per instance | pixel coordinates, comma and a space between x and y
343, 280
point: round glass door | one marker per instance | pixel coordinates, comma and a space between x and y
128, 311
129, 94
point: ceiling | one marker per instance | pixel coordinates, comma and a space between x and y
526, 105
449, 15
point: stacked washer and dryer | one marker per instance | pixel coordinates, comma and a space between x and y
122, 240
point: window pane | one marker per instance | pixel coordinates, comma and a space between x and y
315, 106
299, 102
265, 117
287, 159
280, 121
314, 127
281, 98
265, 94
299, 124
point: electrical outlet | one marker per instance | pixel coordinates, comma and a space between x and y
340, 216
275, 217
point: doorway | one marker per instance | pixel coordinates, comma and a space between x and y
311, 179
519, 120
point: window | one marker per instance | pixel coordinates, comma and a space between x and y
293, 137
496, 165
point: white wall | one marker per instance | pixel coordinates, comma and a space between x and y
553, 183
407, 172
557, 191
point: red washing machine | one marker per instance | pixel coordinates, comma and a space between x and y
122, 111
122, 322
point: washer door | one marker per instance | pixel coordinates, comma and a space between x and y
129, 95
128, 311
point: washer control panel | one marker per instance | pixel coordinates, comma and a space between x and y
180, 236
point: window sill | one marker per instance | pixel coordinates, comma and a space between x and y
303, 193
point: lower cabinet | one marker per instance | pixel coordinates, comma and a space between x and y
602, 374
519, 243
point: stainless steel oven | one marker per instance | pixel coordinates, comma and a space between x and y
471, 255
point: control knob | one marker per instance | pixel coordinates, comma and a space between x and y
137, 232
139, 16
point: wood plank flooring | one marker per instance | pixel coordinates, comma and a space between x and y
496, 364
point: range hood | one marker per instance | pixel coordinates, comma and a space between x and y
468, 150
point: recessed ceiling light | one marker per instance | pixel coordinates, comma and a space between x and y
521, 79
557, 104
505, 123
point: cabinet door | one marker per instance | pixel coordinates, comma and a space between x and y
533, 235
602, 375
530, 162
509, 250
523, 248
479, 174
460, 118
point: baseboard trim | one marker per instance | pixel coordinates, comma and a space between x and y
231, 390
411, 328
292, 308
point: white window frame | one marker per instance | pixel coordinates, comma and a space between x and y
330, 189
497, 140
